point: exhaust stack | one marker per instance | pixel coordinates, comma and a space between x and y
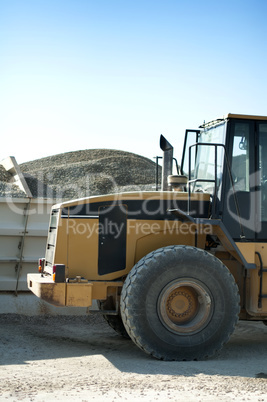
167, 149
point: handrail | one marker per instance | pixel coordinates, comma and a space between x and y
19, 265
261, 271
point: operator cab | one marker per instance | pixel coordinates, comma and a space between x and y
228, 159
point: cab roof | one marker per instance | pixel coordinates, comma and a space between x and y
232, 116
244, 116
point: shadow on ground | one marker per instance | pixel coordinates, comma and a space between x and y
24, 339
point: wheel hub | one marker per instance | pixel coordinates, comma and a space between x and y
181, 305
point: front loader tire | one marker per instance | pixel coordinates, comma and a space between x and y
180, 303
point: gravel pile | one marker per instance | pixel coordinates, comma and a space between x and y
88, 172
7, 188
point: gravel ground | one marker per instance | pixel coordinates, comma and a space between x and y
83, 359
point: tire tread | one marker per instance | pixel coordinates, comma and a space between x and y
140, 271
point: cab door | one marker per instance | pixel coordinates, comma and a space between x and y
261, 172
239, 196
244, 211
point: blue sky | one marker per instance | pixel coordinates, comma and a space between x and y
79, 74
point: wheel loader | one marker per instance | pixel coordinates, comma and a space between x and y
173, 269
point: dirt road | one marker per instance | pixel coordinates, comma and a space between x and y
83, 359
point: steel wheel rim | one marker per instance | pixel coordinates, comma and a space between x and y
184, 306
